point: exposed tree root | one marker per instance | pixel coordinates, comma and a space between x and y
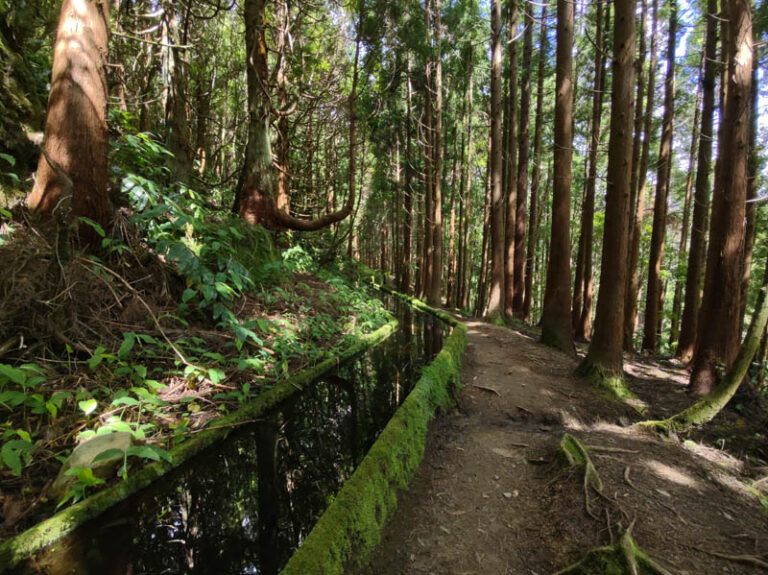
743, 559
623, 557
612, 385
576, 455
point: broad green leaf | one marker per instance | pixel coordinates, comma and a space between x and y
88, 406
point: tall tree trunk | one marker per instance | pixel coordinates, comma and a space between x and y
408, 192
605, 355
653, 294
556, 316
533, 221
179, 138
255, 199
433, 297
510, 166
751, 227
495, 306
583, 325
719, 321
697, 251
633, 273
451, 276
518, 277
464, 297
72, 177
677, 302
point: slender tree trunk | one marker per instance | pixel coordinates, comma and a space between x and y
72, 177
556, 316
605, 356
719, 321
522, 166
677, 302
751, 227
533, 221
653, 294
495, 306
408, 192
583, 314
510, 166
437, 205
464, 298
428, 261
451, 280
697, 251
633, 274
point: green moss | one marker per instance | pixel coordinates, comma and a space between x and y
67, 520
573, 452
624, 557
351, 526
611, 385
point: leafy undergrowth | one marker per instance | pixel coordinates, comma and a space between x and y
183, 314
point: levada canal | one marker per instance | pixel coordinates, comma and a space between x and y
244, 505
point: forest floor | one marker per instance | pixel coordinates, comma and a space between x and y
492, 497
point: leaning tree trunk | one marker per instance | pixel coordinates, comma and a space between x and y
697, 251
72, 178
653, 308
719, 321
605, 356
706, 409
556, 314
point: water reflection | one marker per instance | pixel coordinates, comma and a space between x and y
244, 506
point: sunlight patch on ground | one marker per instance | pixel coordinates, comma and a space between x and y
673, 474
713, 455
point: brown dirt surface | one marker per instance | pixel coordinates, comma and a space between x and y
491, 496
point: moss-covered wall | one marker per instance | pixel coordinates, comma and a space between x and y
352, 524
67, 520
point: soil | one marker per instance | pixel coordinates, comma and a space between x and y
491, 495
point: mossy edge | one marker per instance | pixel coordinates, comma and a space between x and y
67, 520
352, 524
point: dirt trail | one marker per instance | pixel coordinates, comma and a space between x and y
491, 496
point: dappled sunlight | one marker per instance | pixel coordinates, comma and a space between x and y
713, 455
673, 474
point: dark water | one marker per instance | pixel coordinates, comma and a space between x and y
246, 504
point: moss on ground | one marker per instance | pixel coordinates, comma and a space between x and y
624, 557
611, 386
351, 526
67, 520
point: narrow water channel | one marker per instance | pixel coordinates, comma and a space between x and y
245, 505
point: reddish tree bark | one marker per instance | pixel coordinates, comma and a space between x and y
653, 294
718, 340
518, 291
638, 191
495, 305
605, 355
556, 316
533, 221
72, 177
697, 251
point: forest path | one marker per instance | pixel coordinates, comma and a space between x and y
490, 496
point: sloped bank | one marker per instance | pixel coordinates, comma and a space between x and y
67, 520
351, 526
